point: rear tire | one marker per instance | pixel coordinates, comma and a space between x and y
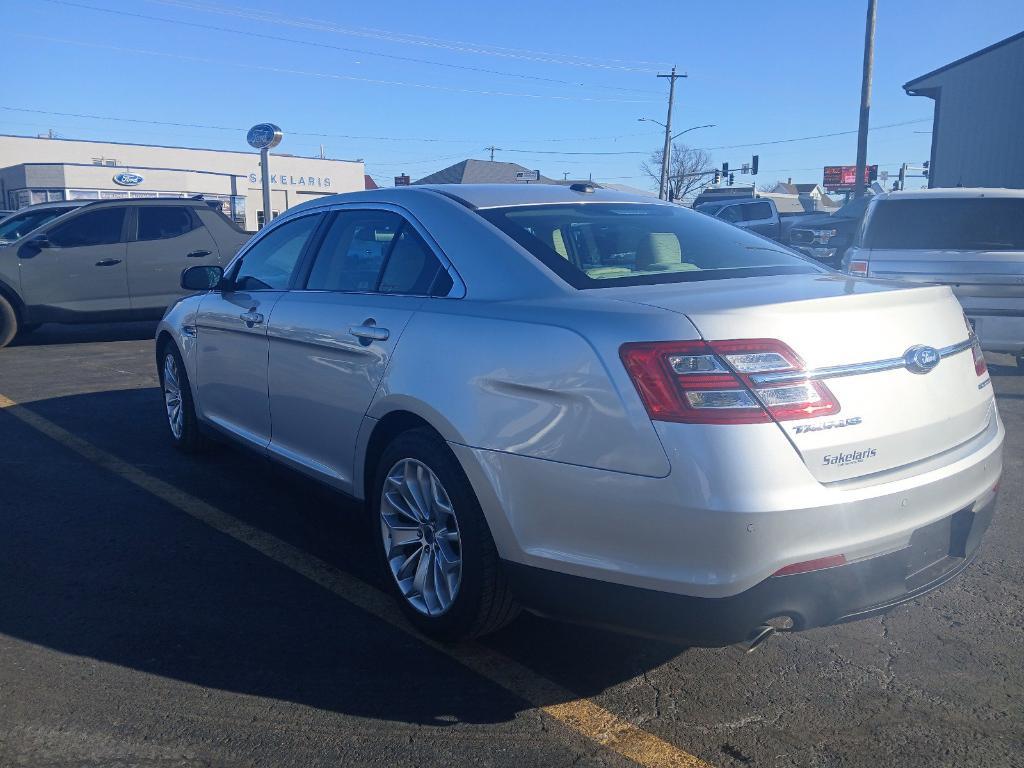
450, 586
8, 322
178, 406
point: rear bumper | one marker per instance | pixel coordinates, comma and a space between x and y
937, 553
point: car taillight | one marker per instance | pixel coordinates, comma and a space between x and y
699, 382
858, 268
980, 366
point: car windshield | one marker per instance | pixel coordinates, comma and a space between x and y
597, 245
958, 223
854, 209
20, 224
710, 208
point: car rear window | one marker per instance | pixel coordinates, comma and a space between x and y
958, 224
595, 245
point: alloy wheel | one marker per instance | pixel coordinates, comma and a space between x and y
172, 396
421, 537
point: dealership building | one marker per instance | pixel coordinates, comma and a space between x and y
38, 169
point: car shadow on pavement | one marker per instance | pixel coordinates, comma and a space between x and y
94, 566
53, 333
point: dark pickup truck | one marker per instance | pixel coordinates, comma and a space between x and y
827, 236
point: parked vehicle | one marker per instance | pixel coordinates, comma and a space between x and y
106, 260
19, 224
596, 407
827, 236
759, 215
969, 239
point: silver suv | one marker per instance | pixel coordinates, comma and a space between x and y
969, 239
107, 261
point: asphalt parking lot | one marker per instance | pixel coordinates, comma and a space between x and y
163, 610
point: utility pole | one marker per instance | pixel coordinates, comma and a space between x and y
667, 151
492, 148
865, 100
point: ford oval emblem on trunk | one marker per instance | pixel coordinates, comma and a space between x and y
127, 179
921, 359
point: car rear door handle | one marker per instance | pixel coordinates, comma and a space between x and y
107, 262
369, 333
197, 254
251, 318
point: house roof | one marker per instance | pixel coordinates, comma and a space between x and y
369, 183
916, 82
478, 172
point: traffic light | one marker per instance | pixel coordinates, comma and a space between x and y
725, 169
731, 178
926, 164
718, 176
903, 175
753, 164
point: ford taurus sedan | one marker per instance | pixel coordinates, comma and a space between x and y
597, 407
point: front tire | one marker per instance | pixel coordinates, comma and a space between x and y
8, 322
436, 550
178, 406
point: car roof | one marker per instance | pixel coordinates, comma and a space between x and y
481, 196
951, 192
52, 204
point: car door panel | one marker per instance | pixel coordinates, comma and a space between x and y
157, 258
323, 377
232, 362
231, 331
76, 275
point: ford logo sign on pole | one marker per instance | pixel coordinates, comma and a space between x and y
127, 179
265, 136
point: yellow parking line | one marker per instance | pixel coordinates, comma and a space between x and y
580, 714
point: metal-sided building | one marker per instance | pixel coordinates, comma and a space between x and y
979, 114
37, 170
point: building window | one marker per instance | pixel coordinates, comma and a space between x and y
259, 217
112, 194
83, 194
20, 198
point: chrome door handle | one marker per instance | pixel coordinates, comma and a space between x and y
107, 262
197, 254
369, 333
251, 318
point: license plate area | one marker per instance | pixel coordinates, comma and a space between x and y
938, 548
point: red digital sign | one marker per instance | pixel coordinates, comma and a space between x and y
845, 176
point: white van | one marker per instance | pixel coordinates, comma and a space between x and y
969, 239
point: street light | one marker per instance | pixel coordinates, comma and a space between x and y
662, 192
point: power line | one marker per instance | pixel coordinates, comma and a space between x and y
564, 59
360, 51
327, 75
320, 135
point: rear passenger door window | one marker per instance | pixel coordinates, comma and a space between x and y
165, 222
376, 252
353, 250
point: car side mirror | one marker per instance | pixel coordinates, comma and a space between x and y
202, 278
40, 241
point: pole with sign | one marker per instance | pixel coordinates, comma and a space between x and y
264, 137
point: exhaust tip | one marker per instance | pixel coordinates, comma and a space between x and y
761, 633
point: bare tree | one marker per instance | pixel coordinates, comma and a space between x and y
689, 171
768, 187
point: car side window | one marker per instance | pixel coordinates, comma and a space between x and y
165, 222
102, 227
731, 214
757, 211
411, 266
353, 251
269, 264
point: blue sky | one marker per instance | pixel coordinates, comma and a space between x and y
415, 86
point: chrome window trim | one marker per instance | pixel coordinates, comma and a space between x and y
852, 369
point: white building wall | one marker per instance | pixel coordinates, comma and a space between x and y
175, 169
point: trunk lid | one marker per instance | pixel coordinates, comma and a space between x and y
887, 418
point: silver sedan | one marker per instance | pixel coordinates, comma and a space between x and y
597, 407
